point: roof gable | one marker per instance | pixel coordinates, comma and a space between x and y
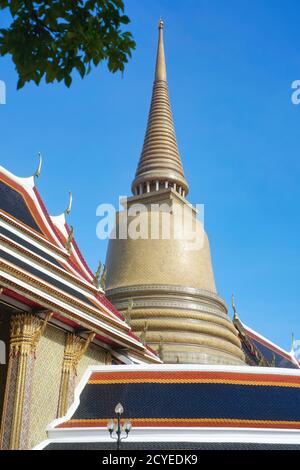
260, 351
41, 263
13, 203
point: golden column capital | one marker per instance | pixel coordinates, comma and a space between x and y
75, 348
26, 331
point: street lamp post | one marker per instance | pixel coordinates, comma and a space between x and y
117, 430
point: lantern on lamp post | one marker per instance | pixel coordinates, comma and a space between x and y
117, 430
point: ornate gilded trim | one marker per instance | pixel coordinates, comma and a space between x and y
168, 288
184, 305
26, 331
60, 270
10, 220
129, 341
106, 316
75, 348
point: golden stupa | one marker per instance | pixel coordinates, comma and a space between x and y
165, 288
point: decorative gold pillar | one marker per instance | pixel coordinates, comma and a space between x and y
74, 350
26, 330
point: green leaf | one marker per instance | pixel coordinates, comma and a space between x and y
50, 74
14, 6
50, 39
68, 80
81, 68
20, 83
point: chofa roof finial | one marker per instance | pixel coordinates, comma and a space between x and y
99, 280
69, 208
39, 168
293, 345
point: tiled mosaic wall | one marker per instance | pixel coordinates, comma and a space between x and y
46, 379
46, 382
93, 356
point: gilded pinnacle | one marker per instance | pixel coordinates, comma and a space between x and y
160, 70
160, 164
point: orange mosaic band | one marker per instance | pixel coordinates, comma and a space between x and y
194, 377
189, 423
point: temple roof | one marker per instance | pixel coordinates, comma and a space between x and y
187, 403
160, 159
43, 269
260, 351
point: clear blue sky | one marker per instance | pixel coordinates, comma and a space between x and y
230, 68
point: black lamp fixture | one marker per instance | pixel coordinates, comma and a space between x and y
117, 430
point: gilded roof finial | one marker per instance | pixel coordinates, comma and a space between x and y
97, 277
39, 168
68, 209
160, 349
235, 315
144, 333
69, 240
127, 313
99, 280
273, 362
103, 278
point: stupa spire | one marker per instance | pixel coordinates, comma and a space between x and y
160, 164
160, 69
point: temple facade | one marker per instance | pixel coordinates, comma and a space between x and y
55, 320
149, 331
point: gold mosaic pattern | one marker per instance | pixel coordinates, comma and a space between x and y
162, 262
94, 356
46, 382
75, 348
